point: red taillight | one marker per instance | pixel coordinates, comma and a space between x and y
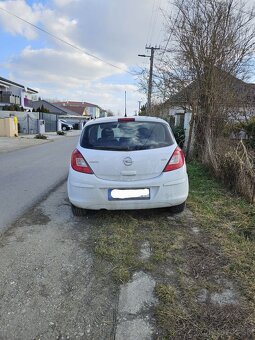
79, 164
126, 120
176, 161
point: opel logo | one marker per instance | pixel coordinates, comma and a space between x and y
128, 161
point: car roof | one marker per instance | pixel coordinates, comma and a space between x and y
116, 118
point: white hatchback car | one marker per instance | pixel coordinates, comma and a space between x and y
127, 163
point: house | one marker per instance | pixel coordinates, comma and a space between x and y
12, 93
83, 108
50, 107
51, 113
238, 95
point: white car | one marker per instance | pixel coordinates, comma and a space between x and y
127, 163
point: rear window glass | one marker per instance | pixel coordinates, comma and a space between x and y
126, 136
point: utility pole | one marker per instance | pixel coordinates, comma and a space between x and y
150, 75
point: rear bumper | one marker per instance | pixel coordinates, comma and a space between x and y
89, 192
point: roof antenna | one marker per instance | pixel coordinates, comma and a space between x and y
125, 104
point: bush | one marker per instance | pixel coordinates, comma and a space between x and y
61, 133
40, 136
248, 127
179, 134
236, 167
12, 107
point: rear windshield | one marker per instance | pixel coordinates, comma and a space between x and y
126, 136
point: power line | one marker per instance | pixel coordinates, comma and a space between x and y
154, 20
150, 23
170, 34
66, 42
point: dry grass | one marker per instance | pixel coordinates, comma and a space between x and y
192, 269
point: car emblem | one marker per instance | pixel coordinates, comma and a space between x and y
127, 161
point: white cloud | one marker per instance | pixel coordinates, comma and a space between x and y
71, 76
62, 3
14, 25
61, 64
38, 15
115, 31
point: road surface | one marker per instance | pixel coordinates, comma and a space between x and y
27, 175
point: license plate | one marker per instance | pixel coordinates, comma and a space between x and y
129, 194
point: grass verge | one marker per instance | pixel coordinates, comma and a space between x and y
203, 260
230, 220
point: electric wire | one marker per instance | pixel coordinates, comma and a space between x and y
155, 22
67, 43
170, 34
150, 23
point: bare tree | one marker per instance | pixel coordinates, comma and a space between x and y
213, 43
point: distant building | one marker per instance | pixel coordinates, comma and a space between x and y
83, 108
12, 93
51, 107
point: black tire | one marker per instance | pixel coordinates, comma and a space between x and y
64, 128
177, 209
78, 211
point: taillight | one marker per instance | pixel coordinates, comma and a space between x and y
126, 120
176, 161
79, 164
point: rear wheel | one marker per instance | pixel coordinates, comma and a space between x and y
176, 209
78, 211
64, 128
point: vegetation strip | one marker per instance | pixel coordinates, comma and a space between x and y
202, 260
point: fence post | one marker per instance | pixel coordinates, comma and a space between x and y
28, 123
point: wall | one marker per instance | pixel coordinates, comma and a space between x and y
27, 121
8, 128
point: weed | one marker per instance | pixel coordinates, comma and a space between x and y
40, 136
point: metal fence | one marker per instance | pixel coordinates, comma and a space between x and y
28, 121
50, 121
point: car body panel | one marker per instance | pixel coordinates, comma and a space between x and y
125, 165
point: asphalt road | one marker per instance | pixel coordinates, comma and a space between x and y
27, 175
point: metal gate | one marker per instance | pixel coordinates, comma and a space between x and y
50, 121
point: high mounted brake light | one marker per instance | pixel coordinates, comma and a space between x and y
176, 161
79, 164
126, 120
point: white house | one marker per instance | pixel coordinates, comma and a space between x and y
13, 93
83, 108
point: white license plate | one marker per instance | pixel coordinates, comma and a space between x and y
128, 194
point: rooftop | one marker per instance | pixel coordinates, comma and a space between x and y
9, 82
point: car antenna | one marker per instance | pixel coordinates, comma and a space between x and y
125, 104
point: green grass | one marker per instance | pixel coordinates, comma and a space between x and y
230, 220
185, 264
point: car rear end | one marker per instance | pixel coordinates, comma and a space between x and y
127, 163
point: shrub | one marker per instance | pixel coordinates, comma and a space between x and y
236, 167
40, 136
248, 127
61, 133
179, 134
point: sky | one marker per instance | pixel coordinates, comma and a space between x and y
114, 31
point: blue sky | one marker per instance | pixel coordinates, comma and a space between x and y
114, 30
